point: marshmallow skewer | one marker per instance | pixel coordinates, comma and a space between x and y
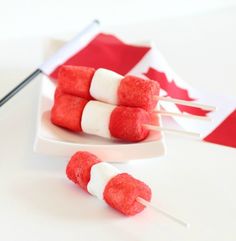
119, 190
101, 119
109, 87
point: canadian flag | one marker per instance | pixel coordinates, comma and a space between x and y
96, 49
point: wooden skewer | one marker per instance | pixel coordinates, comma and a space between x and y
185, 102
197, 117
168, 215
158, 128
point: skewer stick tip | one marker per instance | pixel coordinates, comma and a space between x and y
185, 102
176, 131
166, 214
183, 115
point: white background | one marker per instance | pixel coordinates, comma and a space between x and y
34, 17
195, 180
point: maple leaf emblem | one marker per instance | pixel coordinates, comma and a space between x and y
175, 91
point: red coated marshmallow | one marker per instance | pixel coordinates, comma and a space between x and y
118, 190
109, 87
101, 119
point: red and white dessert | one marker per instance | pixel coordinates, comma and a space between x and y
118, 190
101, 119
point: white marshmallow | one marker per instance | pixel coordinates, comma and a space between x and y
96, 118
104, 86
100, 175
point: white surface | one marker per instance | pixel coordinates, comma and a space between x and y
54, 140
104, 86
195, 181
100, 174
34, 17
96, 118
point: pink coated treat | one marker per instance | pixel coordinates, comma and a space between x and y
76, 80
58, 92
79, 167
122, 191
137, 92
67, 112
126, 123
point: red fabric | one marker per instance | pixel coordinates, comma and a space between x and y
107, 51
174, 91
225, 133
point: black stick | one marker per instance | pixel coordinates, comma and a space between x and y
19, 87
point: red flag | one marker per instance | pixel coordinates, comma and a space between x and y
174, 91
107, 51
225, 133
